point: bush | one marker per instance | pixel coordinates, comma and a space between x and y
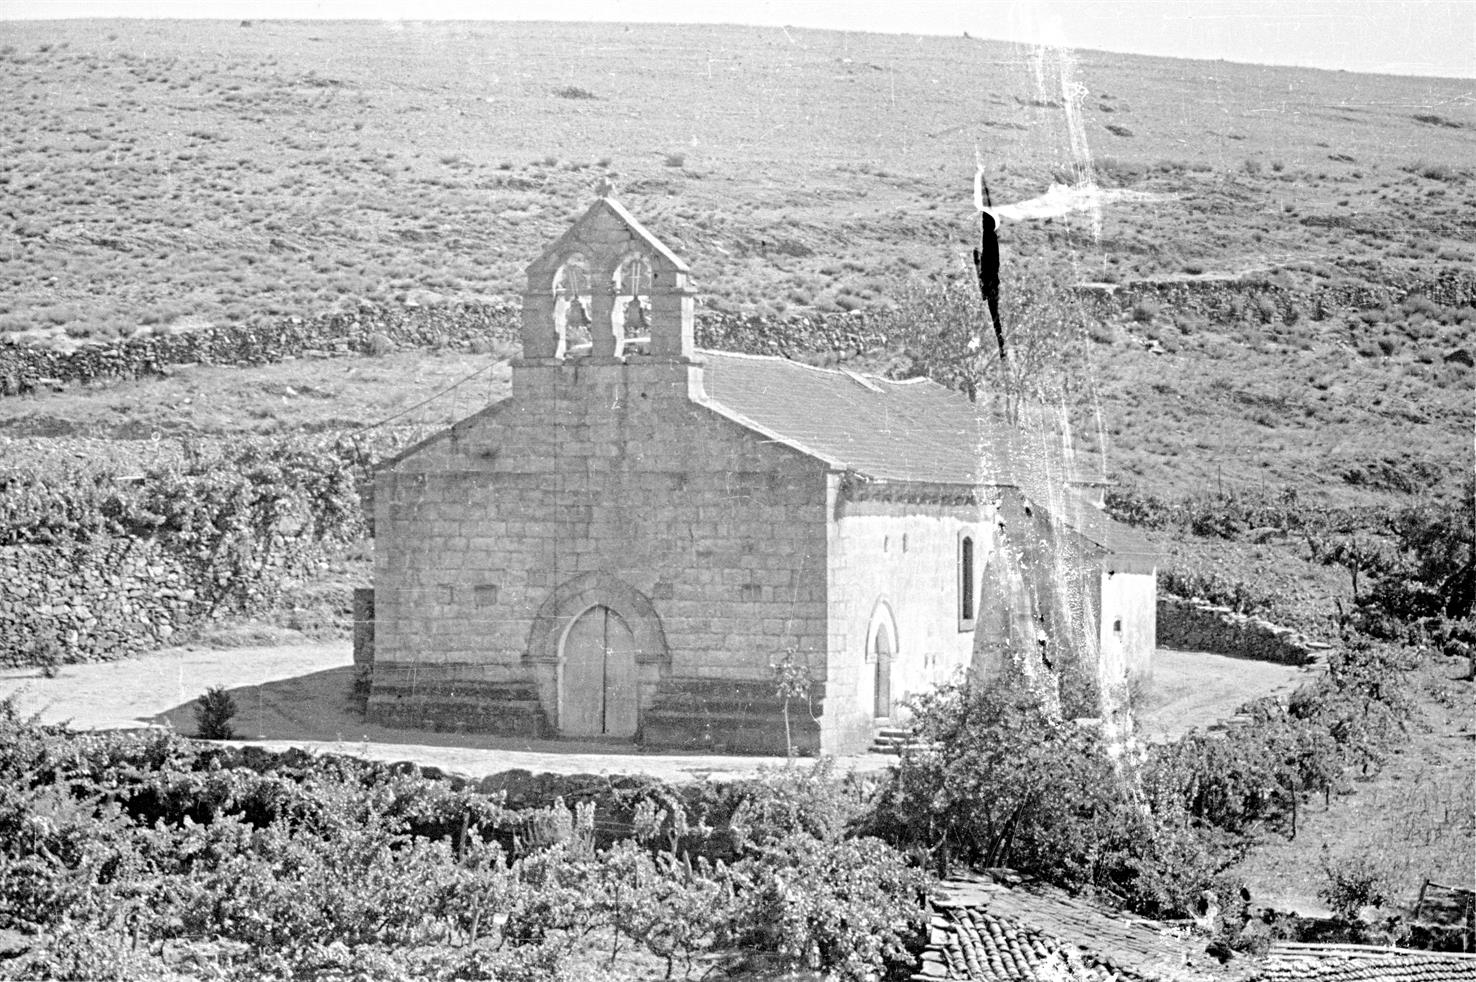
849, 907
213, 714
1350, 717
295, 866
1238, 595
991, 780
1354, 883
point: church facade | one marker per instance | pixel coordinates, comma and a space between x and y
627, 546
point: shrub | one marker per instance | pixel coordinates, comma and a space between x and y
1437, 172
1355, 882
992, 780
1145, 310
214, 711
849, 907
1132, 505
1238, 595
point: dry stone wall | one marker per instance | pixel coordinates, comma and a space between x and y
111, 598
92, 601
24, 367
1193, 624
370, 329
1264, 300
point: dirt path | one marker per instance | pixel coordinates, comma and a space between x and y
298, 695
1192, 689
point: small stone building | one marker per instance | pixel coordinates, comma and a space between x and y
624, 548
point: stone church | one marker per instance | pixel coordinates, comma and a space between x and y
625, 547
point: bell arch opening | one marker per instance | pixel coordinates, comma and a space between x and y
630, 314
573, 299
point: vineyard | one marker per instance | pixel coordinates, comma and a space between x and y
145, 855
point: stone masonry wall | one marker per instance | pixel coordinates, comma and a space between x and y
110, 598
692, 529
1235, 300
95, 601
1197, 625
24, 367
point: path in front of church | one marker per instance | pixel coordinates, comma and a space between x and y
298, 696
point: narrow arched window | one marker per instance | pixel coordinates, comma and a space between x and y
966, 578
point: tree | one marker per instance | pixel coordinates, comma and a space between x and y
213, 713
990, 779
791, 681
940, 328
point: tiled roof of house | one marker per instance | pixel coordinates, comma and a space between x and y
1112, 536
972, 943
986, 931
1290, 962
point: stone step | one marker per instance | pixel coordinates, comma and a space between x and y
893, 740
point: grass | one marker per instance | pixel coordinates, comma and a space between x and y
308, 395
1418, 815
224, 175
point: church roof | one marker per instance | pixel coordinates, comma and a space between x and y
913, 432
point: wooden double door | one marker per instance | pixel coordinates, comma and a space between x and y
599, 688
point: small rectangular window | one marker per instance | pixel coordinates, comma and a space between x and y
966, 583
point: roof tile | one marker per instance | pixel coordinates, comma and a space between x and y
913, 432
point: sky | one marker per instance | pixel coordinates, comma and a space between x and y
1401, 37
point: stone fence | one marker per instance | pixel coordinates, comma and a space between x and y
24, 367
77, 603
371, 329
107, 599
1197, 625
1266, 301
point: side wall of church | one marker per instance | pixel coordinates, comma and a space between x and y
896, 566
609, 472
1129, 623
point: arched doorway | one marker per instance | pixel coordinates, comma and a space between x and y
599, 686
881, 649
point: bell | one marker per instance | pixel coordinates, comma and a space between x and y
576, 316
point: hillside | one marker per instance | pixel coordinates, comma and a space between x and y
172, 173
171, 170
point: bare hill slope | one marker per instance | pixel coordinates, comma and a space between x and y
204, 169
183, 172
